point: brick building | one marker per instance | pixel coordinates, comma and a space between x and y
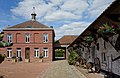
30, 39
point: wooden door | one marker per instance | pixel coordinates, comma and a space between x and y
27, 53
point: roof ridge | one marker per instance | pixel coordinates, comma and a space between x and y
31, 24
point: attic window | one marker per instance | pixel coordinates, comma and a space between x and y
29, 27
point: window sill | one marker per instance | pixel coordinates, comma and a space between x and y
27, 42
45, 57
36, 57
45, 42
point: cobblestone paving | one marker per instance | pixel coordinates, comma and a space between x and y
61, 69
23, 70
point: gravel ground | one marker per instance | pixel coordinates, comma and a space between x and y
23, 70
61, 69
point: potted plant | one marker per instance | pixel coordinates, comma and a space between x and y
107, 30
41, 57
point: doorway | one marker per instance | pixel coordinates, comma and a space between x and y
27, 54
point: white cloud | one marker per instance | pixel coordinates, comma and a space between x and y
74, 28
61, 15
52, 11
68, 11
97, 7
75, 6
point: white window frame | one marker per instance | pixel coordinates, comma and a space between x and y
27, 38
9, 53
45, 52
45, 38
9, 38
36, 52
18, 52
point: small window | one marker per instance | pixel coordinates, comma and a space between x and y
45, 53
27, 38
97, 46
9, 53
103, 56
45, 38
9, 38
36, 52
18, 52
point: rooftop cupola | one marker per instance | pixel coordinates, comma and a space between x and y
33, 14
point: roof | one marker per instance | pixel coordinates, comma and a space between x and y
30, 24
67, 39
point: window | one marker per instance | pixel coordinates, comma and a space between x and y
97, 46
36, 52
9, 53
27, 38
45, 53
18, 52
45, 38
9, 38
103, 57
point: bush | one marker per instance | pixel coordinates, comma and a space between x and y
72, 58
2, 57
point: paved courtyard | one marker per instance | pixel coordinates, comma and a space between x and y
23, 70
61, 69
55, 69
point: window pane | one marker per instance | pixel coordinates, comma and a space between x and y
18, 52
36, 52
27, 38
45, 52
9, 37
45, 38
9, 52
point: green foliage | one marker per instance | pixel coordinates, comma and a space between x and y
89, 38
59, 53
2, 57
106, 29
73, 57
1, 35
5, 44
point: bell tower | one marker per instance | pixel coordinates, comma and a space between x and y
33, 14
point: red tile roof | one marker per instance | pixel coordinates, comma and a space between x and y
30, 24
67, 39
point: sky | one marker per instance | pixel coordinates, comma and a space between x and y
68, 17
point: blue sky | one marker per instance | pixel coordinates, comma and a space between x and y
68, 17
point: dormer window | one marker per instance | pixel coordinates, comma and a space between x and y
27, 38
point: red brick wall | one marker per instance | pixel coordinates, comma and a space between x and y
36, 41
